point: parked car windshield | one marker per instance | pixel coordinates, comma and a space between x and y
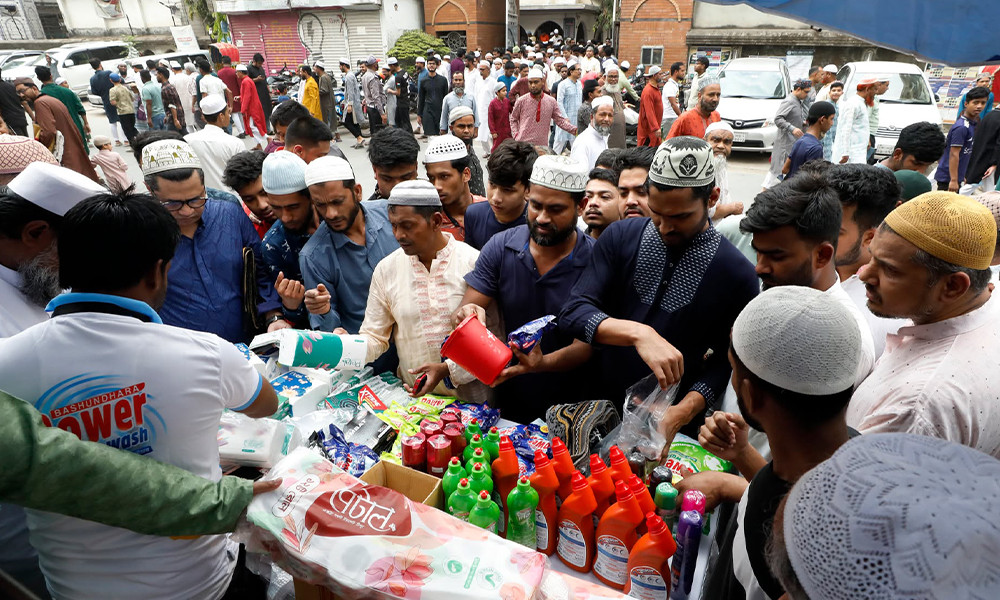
752, 84
905, 88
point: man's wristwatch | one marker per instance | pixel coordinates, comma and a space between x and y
273, 319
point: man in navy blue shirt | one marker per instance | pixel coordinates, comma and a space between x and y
661, 293
510, 169
809, 147
950, 174
529, 271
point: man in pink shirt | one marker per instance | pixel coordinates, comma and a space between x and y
533, 112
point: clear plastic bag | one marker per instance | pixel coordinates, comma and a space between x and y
645, 405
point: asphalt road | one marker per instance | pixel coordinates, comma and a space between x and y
746, 169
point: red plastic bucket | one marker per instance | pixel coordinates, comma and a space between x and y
477, 350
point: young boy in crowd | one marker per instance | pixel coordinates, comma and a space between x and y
950, 174
114, 168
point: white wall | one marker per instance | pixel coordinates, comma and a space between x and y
83, 17
399, 16
717, 16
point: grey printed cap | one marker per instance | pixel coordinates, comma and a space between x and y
683, 161
559, 173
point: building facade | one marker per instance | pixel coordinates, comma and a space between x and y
573, 18
469, 23
653, 32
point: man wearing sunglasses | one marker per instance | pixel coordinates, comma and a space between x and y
206, 291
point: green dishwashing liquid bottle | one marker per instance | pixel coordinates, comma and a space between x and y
479, 455
472, 429
462, 501
475, 442
454, 474
492, 443
485, 513
521, 504
479, 479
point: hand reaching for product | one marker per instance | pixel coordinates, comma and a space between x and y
291, 292
724, 435
318, 300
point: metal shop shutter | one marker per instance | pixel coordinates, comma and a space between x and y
364, 34
324, 35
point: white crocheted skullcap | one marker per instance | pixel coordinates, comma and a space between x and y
991, 200
683, 161
445, 148
559, 173
536, 73
799, 339
328, 168
458, 112
719, 126
601, 101
897, 515
416, 192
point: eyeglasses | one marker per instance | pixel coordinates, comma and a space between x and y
175, 205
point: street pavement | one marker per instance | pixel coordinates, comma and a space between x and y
746, 170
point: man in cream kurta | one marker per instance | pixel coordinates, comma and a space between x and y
415, 289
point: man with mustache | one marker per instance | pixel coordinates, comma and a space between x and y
602, 202
528, 271
795, 227
447, 162
695, 120
594, 139
633, 183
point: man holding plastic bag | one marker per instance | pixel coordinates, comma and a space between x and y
662, 293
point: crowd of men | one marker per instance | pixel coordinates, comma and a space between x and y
846, 299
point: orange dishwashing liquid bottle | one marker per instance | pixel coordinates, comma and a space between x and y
620, 470
616, 536
576, 526
564, 469
600, 481
505, 474
641, 494
649, 562
545, 482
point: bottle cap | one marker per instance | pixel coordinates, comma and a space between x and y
666, 496
597, 465
463, 482
484, 495
477, 438
616, 454
477, 452
474, 420
579, 481
654, 523
558, 446
506, 444
635, 484
454, 461
693, 500
477, 468
494, 430
523, 481
541, 461
622, 493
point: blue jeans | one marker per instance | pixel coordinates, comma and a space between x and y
158, 121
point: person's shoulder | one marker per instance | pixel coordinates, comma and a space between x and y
478, 210
275, 234
729, 257
318, 243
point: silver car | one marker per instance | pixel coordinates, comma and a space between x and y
752, 90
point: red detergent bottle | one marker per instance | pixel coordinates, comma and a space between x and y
505, 474
616, 536
600, 481
649, 562
564, 468
545, 482
576, 526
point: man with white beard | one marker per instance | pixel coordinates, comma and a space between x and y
484, 95
594, 139
720, 137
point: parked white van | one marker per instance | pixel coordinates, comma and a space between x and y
72, 61
752, 90
908, 100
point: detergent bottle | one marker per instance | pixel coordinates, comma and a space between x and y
564, 469
505, 473
461, 503
649, 562
479, 480
545, 482
491, 443
479, 455
641, 493
521, 505
600, 481
472, 429
475, 442
576, 546
486, 513
454, 474
616, 534
620, 470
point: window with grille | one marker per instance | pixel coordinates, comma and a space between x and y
652, 55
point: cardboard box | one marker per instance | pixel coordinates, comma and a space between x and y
417, 486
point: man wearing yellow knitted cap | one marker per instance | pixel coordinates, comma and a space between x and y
931, 264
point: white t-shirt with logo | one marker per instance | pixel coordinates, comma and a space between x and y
670, 90
147, 388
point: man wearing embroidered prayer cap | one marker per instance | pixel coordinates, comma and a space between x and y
283, 176
448, 166
867, 523
509, 275
662, 292
212, 144
414, 290
338, 260
31, 210
17, 152
534, 111
794, 353
462, 122
931, 264
206, 291
594, 139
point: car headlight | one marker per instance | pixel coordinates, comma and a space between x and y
767, 123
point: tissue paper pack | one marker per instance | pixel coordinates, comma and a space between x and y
250, 442
364, 541
298, 394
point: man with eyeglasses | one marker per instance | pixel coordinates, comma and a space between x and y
206, 274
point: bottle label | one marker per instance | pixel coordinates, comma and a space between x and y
647, 584
572, 547
461, 514
541, 530
612, 559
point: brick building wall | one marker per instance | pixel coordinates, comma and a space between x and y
482, 21
656, 24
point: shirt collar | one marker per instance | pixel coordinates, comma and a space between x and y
373, 222
987, 313
128, 304
10, 276
442, 254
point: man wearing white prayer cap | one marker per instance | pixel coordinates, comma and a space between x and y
449, 169
458, 96
397, 311
866, 523
794, 354
534, 111
338, 260
594, 139
212, 144
461, 122
633, 314
205, 291
720, 137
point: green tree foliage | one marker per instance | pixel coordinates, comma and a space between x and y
414, 43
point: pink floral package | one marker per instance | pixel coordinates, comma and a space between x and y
365, 541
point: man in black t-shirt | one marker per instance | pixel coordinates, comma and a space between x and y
402, 117
794, 352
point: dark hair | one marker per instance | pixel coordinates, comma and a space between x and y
511, 162
243, 169
163, 71
144, 76
701, 192
109, 242
704, 61
150, 64
977, 93
306, 131
604, 175
427, 212
609, 158
806, 202
460, 52
393, 146
873, 191
674, 67
839, 84
148, 137
258, 57
816, 166
43, 73
640, 157
286, 112
509, 65
203, 65
589, 87
16, 212
94, 63
226, 60
813, 69
938, 268
153, 184
806, 409
923, 141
